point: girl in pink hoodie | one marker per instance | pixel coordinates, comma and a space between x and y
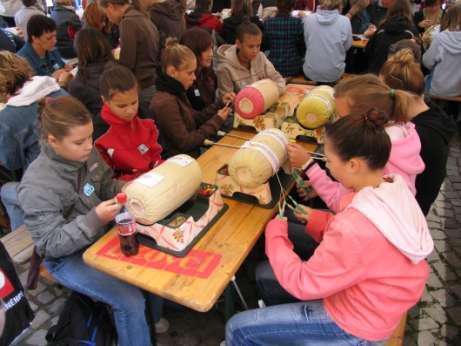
357, 96
369, 268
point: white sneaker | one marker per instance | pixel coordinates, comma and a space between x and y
222, 343
162, 326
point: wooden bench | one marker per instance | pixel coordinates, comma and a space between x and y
20, 247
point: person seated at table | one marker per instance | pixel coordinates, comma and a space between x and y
203, 18
284, 38
241, 12
202, 93
40, 49
396, 26
358, 15
64, 218
328, 36
429, 16
10, 41
433, 125
345, 294
360, 95
94, 17
93, 52
68, 24
130, 145
29, 8
139, 45
168, 17
243, 63
443, 57
182, 128
19, 142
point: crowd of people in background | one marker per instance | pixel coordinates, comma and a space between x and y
145, 80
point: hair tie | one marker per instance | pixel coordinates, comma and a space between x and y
392, 93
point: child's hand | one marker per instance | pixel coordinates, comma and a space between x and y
425, 23
228, 97
370, 31
224, 112
297, 155
302, 213
107, 210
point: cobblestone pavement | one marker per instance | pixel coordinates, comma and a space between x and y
435, 321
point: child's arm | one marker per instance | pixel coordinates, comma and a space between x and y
53, 235
335, 265
109, 185
171, 123
225, 83
273, 74
328, 190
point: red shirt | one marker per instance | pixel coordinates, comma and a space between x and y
129, 147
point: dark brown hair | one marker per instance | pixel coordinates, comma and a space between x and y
38, 25
115, 79
28, 3
246, 28
242, 8
401, 71
59, 115
362, 136
91, 47
95, 17
135, 3
198, 40
400, 8
368, 91
284, 7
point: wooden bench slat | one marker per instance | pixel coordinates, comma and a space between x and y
17, 241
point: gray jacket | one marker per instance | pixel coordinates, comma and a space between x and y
59, 197
328, 36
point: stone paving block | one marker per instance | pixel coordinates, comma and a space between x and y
456, 289
56, 306
37, 338
434, 257
436, 313
33, 306
45, 297
441, 245
445, 273
434, 282
455, 314
448, 331
443, 298
40, 317
40, 288
427, 324
426, 338
438, 235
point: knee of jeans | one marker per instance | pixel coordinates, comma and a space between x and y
133, 301
9, 193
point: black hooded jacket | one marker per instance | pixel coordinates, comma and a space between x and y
394, 30
435, 129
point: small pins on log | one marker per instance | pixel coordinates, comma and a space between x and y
210, 143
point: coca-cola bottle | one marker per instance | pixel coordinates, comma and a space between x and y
126, 226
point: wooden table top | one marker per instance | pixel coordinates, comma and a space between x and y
197, 280
359, 43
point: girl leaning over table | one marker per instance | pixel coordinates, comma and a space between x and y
369, 267
67, 195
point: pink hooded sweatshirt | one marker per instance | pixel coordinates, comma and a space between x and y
404, 160
369, 267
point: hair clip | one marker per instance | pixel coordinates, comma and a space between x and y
392, 93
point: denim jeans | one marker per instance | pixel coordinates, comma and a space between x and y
9, 197
127, 302
303, 323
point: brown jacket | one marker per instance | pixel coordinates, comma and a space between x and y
182, 129
139, 43
168, 17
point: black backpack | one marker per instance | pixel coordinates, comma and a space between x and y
82, 322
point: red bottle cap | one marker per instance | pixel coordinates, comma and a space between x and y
121, 198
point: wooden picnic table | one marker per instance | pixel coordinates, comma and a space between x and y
359, 43
198, 279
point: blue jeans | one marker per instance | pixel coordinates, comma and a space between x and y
303, 323
9, 197
127, 302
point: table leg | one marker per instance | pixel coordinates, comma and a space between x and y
229, 302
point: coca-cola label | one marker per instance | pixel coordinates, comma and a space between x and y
127, 228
